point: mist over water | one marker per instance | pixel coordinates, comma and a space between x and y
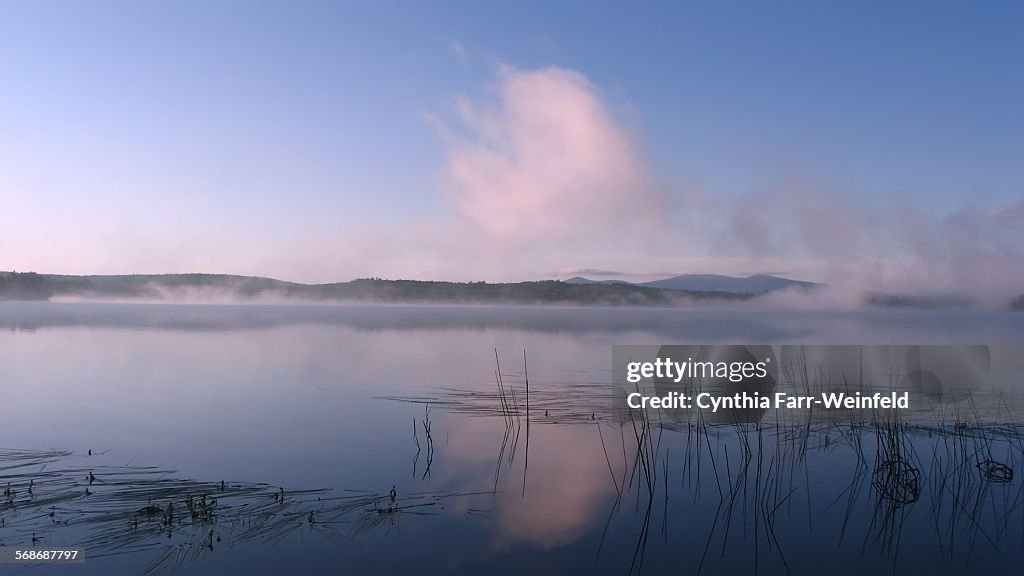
740, 322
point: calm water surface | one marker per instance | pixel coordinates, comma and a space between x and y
311, 415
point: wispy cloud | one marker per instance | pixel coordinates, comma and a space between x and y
539, 174
547, 162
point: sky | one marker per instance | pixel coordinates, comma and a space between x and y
868, 143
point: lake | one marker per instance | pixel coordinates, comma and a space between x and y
212, 439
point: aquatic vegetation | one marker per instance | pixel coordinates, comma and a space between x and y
111, 510
753, 487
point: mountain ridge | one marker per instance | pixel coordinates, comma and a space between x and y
219, 287
754, 285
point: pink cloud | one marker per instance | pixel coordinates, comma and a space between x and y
568, 482
547, 162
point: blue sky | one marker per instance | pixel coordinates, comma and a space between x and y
323, 141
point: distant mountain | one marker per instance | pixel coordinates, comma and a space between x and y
756, 284
582, 280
